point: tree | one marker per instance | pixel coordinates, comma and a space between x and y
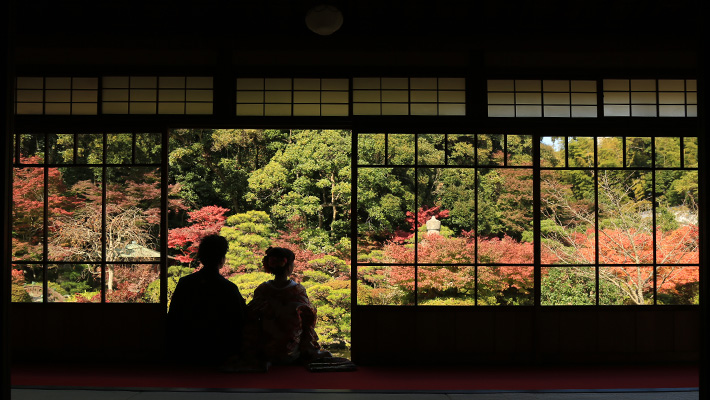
28, 206
385, 196
310, 178
186, 240
625, 236
497, 284
131, 217
213, 165
504, 202
416, 222
249, 235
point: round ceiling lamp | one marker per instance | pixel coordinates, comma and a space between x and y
324, 19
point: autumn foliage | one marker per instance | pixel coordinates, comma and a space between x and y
205, 221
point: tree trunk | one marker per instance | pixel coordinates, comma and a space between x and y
332, 201
109, 279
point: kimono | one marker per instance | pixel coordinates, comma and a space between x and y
285, 330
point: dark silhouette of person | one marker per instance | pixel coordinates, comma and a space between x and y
282, 318
207, 311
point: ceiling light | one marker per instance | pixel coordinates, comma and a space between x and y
324, 19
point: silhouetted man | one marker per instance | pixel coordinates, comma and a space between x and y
207, 312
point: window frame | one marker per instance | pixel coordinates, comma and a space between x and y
162, 166
475, 119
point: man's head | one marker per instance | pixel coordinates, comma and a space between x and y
212, 250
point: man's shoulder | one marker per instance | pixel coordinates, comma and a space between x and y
189, 279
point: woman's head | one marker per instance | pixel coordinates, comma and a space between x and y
212, 250
278, 261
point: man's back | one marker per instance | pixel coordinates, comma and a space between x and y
206, 317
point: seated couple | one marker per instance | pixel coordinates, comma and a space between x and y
210, 323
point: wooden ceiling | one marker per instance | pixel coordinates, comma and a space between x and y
376, 26
122, 21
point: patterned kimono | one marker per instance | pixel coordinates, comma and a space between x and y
286, 331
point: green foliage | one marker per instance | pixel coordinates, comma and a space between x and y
666, 220
568, 286
449, 301
85, 297
505, 202
248, 234
457, 196
212, 165
310, 276
332, 299
688, 293
73, 279
384, 197
308, 178
331, 266
248, 282
20, 295
175, 272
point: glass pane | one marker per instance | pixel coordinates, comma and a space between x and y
423, 109
148, 147
610, 152
519, 150
400, 149
678, 285
397, 108
677, 233
461, 148
78, 283
431, 149
446, 285
133, 214
667, 152
616, 111
385, 214
61, 148
505, 215
690, 148
625, 285
505, 286
142, 108
580, 151
625, 217
26, 283
567, 217
371, 148
385, 285
638, 152
568, 286
126, 283
31, 148
456, 196
90, 148
446, 193
28, 213
490, 149
75, 215
119, 148
552, 151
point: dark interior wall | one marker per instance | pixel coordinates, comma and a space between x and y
525, 335
383, 335
87, 332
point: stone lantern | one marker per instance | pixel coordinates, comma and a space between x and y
433, 226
